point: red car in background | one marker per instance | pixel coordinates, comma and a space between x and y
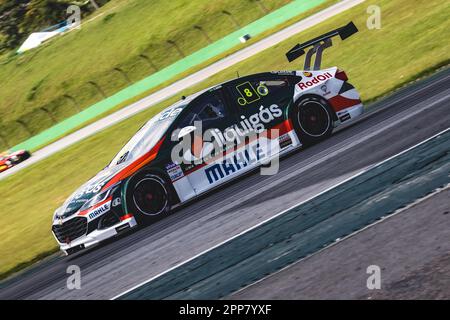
9, 160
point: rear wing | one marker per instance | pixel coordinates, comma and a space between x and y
318, 45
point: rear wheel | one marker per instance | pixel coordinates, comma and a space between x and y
313, 119
148, 198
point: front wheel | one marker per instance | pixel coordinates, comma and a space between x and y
148, 198
313, 119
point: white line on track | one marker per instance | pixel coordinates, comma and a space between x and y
283, 212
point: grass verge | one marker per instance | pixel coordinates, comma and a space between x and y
199, 67
84, 66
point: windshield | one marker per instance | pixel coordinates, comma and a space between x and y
147, 136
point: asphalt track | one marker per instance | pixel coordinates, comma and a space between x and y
418, 271
393, 125
305, 229
182, 84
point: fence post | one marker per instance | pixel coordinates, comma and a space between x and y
203, 32
149, 61
174, 44
50, 115
232, 18
72, 99
97, 87
123, 73
262, 6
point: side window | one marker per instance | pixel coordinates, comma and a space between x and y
208, 108
257, 90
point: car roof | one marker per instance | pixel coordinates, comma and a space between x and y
184, 102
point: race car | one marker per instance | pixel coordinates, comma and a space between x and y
208, 139
9, 160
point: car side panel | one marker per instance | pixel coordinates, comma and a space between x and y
342, 96
264, 114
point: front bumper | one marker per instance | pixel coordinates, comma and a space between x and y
97, 236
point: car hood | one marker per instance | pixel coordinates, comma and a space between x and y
87, 191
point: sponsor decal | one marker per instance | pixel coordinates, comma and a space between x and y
285, 140
214, 141
247, 93
174, 171
262, 90
235, 163
304, 85
344, 117
253, 123
100, 210
122, 227
325, 90
170, 113
246, 128
94, 188
307, 74
116, 202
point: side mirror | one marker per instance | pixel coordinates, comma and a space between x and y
185, 131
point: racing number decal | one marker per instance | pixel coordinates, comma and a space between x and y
248, 94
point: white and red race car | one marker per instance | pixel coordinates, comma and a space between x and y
9, 160
208, 139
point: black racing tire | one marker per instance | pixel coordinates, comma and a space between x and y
149, 198
312, 118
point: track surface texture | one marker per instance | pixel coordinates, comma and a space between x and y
411, 249
400, 121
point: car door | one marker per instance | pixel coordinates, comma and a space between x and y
202, 124
261, 101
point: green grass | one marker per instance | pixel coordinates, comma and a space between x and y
413, 40
59, 76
